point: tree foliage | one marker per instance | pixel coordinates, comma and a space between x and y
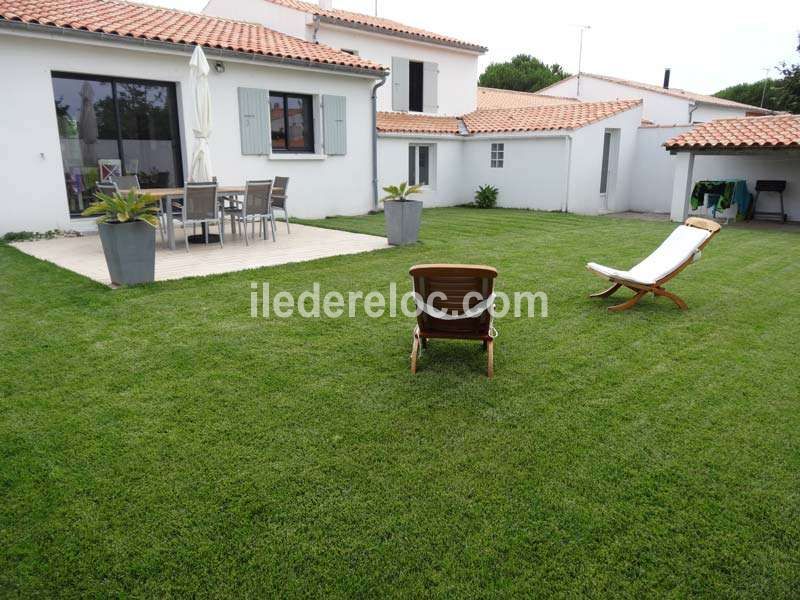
523, 73
781, 94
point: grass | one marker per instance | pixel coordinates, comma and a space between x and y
158, 441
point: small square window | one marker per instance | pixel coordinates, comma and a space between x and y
497, 156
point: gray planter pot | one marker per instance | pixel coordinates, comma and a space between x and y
402, 221
130, 250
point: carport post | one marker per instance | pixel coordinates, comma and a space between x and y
681, 186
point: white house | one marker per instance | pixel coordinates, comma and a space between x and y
92, 81
430, 73
667, 112
662, 105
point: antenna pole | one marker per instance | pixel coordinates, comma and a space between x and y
580, 57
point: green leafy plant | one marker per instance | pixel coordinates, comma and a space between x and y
118, 208
400, 193
26, 236
486, 196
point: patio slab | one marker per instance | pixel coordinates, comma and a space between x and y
84, 255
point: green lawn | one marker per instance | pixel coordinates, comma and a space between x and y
159, 441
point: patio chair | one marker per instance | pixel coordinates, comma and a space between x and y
200, 206
440, 291
280, 187
678, 251
109, 188
255, 207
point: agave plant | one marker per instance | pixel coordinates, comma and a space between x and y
400, 193
116, 208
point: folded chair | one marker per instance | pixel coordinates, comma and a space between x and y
440, 291
677, 252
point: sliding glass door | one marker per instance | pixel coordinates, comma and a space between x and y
111, 126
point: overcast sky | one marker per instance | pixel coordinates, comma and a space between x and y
709, 44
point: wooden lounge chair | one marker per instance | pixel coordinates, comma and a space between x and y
440, 291
677, 252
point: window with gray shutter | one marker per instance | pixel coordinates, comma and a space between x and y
400, 84
254, 121
430, 87
334, 121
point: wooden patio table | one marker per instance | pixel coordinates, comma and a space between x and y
165, 194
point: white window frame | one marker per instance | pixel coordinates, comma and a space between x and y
497, 155
431, 165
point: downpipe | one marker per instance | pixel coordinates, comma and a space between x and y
375, 195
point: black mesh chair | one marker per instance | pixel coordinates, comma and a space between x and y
200, 206
255, 207
279, 198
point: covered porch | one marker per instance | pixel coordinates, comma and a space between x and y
84, 254
753, 149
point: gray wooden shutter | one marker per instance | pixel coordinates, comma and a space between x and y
254, 121
430, 87
400, 84
334, 121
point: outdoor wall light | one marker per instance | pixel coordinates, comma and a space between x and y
219, 67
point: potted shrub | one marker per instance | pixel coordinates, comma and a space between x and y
127, 227
486, 196
402, 215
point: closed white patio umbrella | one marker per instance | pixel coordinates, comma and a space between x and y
200, 169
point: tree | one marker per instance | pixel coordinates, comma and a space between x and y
751, 93
789, 93
781, 94
523, 73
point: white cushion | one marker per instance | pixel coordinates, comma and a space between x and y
681, 245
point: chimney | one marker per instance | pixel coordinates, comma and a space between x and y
326, 4
666, 77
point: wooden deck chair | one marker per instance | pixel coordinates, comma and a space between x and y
440, 291
678, 251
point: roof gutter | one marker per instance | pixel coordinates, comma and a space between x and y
401, 34
65, 32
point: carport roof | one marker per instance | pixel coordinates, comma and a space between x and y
748, 133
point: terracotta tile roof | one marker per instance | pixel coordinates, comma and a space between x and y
544, 118
496, 98
389, 122
349, 19
127, 19
675, 92
782, 131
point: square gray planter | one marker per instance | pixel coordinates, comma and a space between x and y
130, 250
402, 221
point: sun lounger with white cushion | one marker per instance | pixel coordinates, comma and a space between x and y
677, 252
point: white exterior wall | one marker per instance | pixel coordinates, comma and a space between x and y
447, 165
537, 172
661, 109
278, 18
458, 69
708, 112
31, 174
653, 168
658, 108
534, 173
587, 161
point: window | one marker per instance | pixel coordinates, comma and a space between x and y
420, 168
416, 71
498, 156
292, 122
110, 124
